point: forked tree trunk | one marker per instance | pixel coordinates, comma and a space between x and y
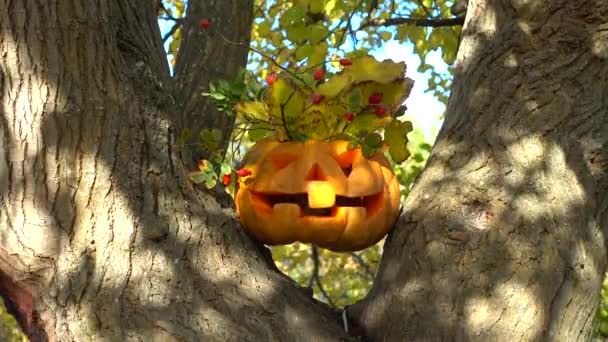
503, 235
102, 236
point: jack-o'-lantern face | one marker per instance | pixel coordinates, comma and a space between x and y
317, 192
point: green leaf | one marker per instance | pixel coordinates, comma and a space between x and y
225, 168
304, 52
395, 136
285, 99
298, 34
210, 182
319, 55
198, 177
317, 33
265, 28
259, 131
293, 16
355, 101
366, 122
317, 6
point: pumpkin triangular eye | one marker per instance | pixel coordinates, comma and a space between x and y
280, 161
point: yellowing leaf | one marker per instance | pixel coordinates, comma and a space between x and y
285, 99
317, 6
293, 16
330, 6
319, 55
367, 68
393, 94
367, 122
265, 29
254, 109
297, 34
277, 38
304, 51
317, 33
334, 85
395, 135
386, 36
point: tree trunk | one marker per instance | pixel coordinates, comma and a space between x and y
209, 54
103, 237
503, 235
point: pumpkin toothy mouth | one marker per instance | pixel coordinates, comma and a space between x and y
371, 203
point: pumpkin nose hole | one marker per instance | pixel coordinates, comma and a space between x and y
316, 174
347, 170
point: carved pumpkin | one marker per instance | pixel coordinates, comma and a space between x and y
317, 192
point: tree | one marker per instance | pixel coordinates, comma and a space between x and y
105, 237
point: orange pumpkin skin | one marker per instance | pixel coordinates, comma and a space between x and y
317, 192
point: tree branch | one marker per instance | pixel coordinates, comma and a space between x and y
360, 261
439, 22
315, 274
172, 31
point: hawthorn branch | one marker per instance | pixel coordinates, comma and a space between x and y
426, 10
360, 261
172, 31
348, 29
315, 274
438, 22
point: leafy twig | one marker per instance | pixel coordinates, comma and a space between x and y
264, 56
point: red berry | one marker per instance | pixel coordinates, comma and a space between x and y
271, 78
205, 23
349, 116
226, 179
318, 75
317, 98
243, 172
345, 62
380, 111
375, 98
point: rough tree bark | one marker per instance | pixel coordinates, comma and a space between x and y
209, 54
503, 236
103, 238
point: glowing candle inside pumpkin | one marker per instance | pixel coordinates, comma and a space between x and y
321, 194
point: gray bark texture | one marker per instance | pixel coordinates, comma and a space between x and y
102, 235
503, 237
